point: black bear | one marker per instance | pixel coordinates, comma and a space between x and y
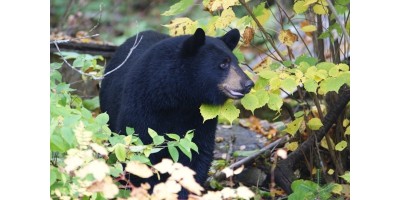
163, 84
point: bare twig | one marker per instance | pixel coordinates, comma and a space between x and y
98, 21
333, 10
137, 42
270, 40
297, 31
73, 39
273, 145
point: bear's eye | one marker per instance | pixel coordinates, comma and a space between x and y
226, 63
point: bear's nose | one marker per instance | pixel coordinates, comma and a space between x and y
248, 85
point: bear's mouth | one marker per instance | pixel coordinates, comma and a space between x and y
232, 93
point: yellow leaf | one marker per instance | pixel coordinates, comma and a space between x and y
337, 189
309, 28
286, 37
226, 18
341, 145
292, 146
275, 83
213, 5
346, 122
314, 124
320, 9
347, 132
309, 2
331, 171
324, 143
300, 7
182, 26
264, 17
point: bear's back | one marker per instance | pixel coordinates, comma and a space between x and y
110, 102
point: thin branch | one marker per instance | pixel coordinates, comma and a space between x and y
333, 10
270, 40
73, 39
129, 54
137, 42
98, 21
297, 31
273, 145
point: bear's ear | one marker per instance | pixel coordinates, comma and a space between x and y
231, 38
194, 42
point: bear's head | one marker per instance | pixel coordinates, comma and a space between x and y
214, 68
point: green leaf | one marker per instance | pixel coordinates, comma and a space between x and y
275, 83
58, 144
102, 119
120, 152
185, 143
267, 74
68, 135
274, 66
229, 111
173, 136
188, 153
310, 85
209, 111
194, 147
325, 66
189, 135
287, 63
294, 126
262, 97
289, 85
239, 55
324, 35
173, 152
346, 176
91, 104
116, 170
130, 131
250, 102
152, 133
275, 102
79, 61
299, 114
300, 7
261, 84
140, 158
157, 140
53, 175
314, 124
137, 148
304, 58
341, 145
334, 71
178, 7
262, 14
55, 65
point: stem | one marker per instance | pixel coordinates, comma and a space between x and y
333, 10
270, 40
297, 31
